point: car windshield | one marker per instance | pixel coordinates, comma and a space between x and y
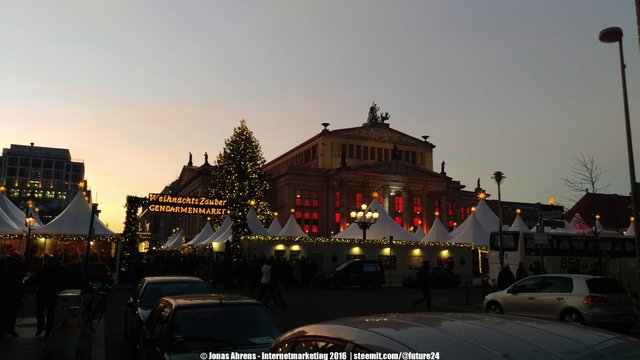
222, 326
153, 292
605, 286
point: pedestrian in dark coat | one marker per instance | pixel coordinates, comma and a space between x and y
49, 283
11, 284
505, 278
424, 279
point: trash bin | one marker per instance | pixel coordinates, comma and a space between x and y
66, 330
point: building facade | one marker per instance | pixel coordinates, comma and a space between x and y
47, 178
335, 172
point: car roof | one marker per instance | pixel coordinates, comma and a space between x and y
168, 279
486, 336
210, 299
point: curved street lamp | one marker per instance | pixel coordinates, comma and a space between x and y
613, 35
499, 177
364, 219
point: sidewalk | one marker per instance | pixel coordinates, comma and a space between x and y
28, 346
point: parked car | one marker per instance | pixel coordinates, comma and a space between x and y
457, 336
75, 277
190, 325
356, 272
147, 293
441, 278
585, 299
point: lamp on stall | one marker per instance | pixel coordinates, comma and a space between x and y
364, 219
29, 221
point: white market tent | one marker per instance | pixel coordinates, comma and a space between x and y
487, 217
631, 230
519, 225
275, 227
579, 224
419, 233
383, 228
74, 220
12, 212
7, 226
226, 235
206, 231
175, 241
471, 231
255, 225
437, 232
225, 227
292, 229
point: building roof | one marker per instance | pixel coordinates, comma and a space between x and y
614, 210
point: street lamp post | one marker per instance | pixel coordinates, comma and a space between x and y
29, 221
364, 219
498, 176
612, 35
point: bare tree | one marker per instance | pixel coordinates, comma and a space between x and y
586, 176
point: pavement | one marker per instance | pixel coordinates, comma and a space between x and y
88, 344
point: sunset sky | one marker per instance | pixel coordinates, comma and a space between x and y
131, 87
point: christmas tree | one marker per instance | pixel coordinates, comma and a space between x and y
239, 178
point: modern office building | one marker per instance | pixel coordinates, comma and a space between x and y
47, 178
336, 171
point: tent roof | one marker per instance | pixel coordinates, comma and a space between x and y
7, 226
419, 233
519, 225
487, 217
12, 212
226, 225
437, 232
471, 232
383, 228
206, 231
275, 227
291, 228
176, 240
255, 225
579, 224
74, 220
631, 230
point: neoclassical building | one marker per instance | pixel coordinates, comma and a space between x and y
336, 171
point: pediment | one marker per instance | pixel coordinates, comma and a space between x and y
381, 133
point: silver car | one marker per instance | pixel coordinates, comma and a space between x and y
585, 299
455, 336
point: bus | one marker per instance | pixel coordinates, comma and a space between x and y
566, 252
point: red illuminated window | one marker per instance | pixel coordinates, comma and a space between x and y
397, 204
417, 206
337, 200
449, 209
298, 197
436, 206
417, 222
398, 220
338, 218
358, 200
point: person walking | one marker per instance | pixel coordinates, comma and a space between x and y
505, 278
424, 278
49, 283
521, 272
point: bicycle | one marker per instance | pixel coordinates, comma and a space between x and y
94, 304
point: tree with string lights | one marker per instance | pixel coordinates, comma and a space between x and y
239, 178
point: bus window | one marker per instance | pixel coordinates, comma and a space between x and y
604, 246
509, 241
581, 247
563, 246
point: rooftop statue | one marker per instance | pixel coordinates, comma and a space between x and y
373, 117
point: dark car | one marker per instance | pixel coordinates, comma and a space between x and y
441, 278
147, 293
75, 277
357, 272
191, 326
456, 336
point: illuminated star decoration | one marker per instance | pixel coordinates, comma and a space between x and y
482, 195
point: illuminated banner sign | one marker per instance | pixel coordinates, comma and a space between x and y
186, 205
